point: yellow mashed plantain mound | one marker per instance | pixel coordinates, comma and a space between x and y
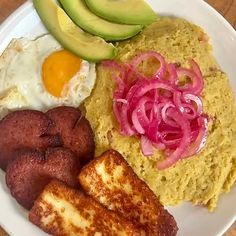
202, 178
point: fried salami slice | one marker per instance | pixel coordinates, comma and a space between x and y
23, 130
30, 172
75, 131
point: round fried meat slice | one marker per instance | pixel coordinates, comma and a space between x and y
75, 131
30, 172
22, 130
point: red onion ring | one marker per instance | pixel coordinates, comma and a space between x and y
165, 115
160, 71
185, 141
147, 147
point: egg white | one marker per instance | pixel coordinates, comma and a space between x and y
21, 84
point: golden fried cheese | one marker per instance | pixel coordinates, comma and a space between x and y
61, 210
202, 178
111, 181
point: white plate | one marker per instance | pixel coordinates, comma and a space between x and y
192, 221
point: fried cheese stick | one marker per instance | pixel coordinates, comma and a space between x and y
111, 181
61, 210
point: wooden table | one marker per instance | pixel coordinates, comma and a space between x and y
226, 7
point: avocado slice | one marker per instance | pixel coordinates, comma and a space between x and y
86, 46
123, 11
83, 17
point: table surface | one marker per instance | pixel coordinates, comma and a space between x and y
226, 7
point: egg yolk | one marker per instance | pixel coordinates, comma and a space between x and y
57, 70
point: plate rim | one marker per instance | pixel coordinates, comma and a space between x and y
26, 8
21, 10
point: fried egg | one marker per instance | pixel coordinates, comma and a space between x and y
40, 74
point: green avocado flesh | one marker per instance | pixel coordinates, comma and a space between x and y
83, 17
123, 11
84, 45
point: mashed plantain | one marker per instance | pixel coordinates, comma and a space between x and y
202, 178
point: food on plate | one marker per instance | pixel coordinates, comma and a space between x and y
161, 100
162, 109
84, 18
32, 170
125, 12
133, 209
84, 45
74, 130
111, 181
39, 74
199, 179
61, 210
29, 129
11, 99
23, 130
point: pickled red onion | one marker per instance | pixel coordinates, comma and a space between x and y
165, 115
146, 55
